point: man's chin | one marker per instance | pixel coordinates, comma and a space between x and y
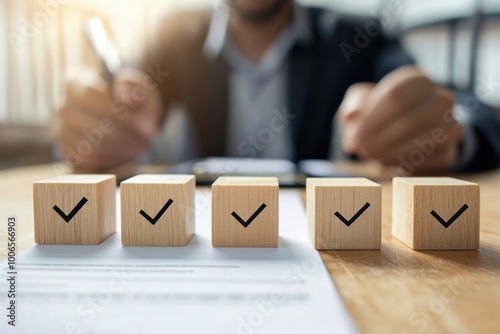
260, 15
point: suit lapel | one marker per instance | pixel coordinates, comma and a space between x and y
301, 72
207, 100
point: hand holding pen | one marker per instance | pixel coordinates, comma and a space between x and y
106, 119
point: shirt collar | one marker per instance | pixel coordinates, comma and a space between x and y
217, 32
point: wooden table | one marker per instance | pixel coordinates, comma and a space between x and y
394, 290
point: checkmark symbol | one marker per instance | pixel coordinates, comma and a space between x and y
158, 215
356, 216
450, 221
251, 219
73, 212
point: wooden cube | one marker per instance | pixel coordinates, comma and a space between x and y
436, 213
75, 209
245, 212
157, 210
344, 213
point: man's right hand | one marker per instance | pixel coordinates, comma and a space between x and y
103, 127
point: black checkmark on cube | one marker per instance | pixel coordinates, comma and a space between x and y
252, 217
450, 221
355, 217
73, 212
158, 215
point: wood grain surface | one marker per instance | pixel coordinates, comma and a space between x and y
455, 202
391, 290
166, 200
356, 200
87, 202
245, 212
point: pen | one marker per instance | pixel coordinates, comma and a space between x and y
104, 48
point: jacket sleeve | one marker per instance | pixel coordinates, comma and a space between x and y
480, 147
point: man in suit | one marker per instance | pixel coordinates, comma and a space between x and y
267, 78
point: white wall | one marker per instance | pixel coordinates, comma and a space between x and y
431, 46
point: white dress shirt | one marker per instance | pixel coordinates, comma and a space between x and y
257, 91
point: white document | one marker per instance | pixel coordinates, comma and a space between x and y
194, 289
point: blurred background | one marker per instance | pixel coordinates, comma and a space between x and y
455, 41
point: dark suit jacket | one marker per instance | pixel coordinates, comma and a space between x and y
319, 74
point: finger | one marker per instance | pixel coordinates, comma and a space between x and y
423, 147
89, 93
432, 140
353, 101
428, 115
127, 77
135, 88
138, 125
80, 117
392, 97
94, 95
441, 161
102, 154
109, 141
